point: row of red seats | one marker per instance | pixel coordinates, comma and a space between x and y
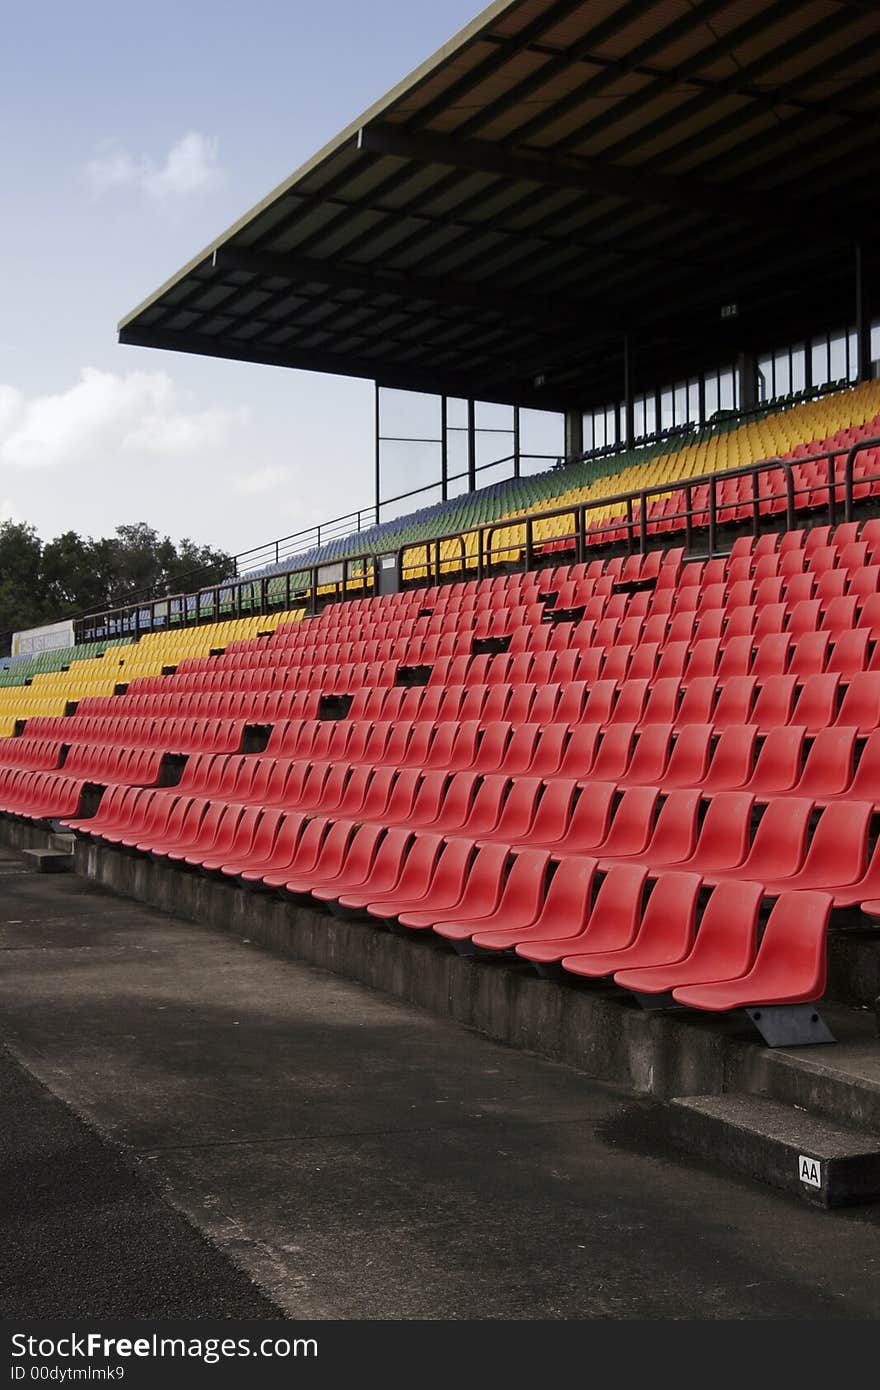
676, 692
785, 760
169, 735
466, 889
632, 769
658, 830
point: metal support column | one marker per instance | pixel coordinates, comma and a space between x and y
472, 445
628, 408
377, 447
863, 321
444, 448
574, 433
747, 367
516, 442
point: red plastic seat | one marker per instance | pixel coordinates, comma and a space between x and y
630, 703
723, 837
611, 925
865, 785
773, 704
513, 817
737, 658
689, 759
298, 852
778, 846
828, 770
567, 900
665, 935
704, 658
471, 894
837, 853
580, 751
648, 762
672, 838
849, 653
589, 823
780, 762
663, 700
698, 703
239, 844
790, 967
734, 704
413, 882
632, 823
198, 838
613, 753
860, 707
518, 906
809, 654
725, 945
352, 856
839, 616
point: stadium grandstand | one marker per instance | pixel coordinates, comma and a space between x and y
591, 742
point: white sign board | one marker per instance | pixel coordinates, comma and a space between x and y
809, 1171
34, 640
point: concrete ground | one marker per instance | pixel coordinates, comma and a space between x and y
346, 1155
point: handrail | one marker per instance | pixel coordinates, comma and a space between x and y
634, 527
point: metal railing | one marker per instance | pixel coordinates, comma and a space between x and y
773, 481
362, 519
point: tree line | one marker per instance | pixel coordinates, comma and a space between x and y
43, 582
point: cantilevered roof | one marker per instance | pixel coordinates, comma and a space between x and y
694, 174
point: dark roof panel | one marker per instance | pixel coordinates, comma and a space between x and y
563, 172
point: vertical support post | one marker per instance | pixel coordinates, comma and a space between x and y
444, 448
574, 433
472, 445
581, 534
378, 447
628, 408
701, 399
748, 380
516, 442
863, 322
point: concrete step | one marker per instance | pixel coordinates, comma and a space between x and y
62, 840
825, 1163
838, 1081
49, 861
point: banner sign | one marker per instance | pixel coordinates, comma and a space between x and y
34, 640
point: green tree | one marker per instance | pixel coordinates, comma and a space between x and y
22, 601
73, 575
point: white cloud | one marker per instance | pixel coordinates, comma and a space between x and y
261, 481
108, 414
8, 510
191, 166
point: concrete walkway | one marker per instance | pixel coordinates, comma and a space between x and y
357, 1158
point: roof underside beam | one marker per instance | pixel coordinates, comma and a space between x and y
544, 311
591, 176
387, 373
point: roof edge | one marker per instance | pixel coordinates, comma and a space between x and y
418, 74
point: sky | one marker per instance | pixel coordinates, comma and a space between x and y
130, 136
